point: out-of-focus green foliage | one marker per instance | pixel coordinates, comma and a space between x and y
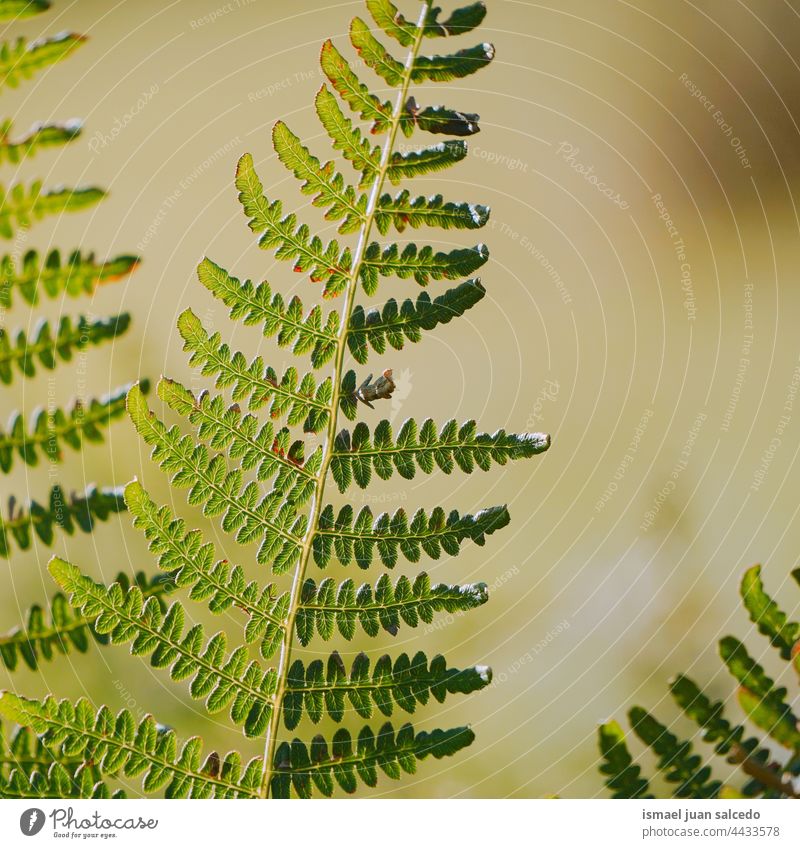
765, 705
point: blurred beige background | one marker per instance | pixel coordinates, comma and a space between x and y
620, 336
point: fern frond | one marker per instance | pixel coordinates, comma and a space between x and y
80, 274
20, 61
624, 776
274, 455
354, 537
319, 689
118, 746
47, 349
406, 211
346, 138
323, 181
254, 304
23, 524
256, 476
771, 621
11, 10
357, 96
223, 681
392, 325
764, 703
50, 430
676, 761
191, 563
63, 631
22, 205
300, 400
301, 768
290, 241
420, 263
325, 608
355, 456
38, 137
271, 520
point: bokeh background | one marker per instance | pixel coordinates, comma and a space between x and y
640, 159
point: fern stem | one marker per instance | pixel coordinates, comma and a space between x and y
328, 451
765, 776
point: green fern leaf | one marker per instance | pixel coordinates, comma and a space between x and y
357, 96
289, 241
271, 520
424, 68
767, 615
273, 454
355, 456
676, 760
460, 21
77, 276
67, 514
455, 66
392, 325
22, 206
727, 739
765, 704
20, 61
14, 10
50, 430
118, 746
256, 304
328, 187
356, 537
300, 768
374, 54
406, 211
300, 400
42, 638
46, 348
760, 699
31, 769
325, 608
624, 776
388, 18
415, 163
56, 782
346, 138
422, 264
191, 563
39, 137
441, 120
323, 689
230, 682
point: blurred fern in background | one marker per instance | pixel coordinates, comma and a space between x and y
771, 766
26, 279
